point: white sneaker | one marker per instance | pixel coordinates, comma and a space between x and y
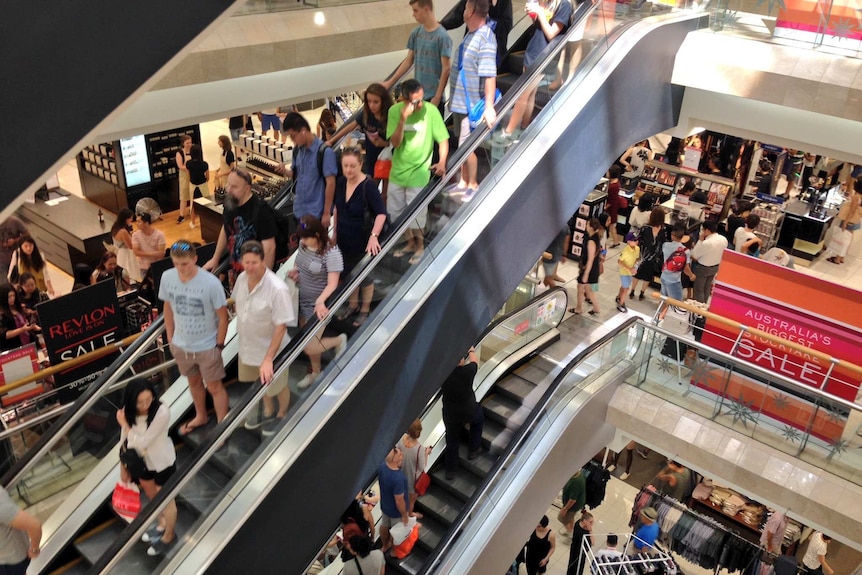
624, 476
306, 381
611, 468
192, 225
339, 349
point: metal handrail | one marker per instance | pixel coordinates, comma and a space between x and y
491, 327
63, 408
88, 399
70, 363
760, 333
518, 440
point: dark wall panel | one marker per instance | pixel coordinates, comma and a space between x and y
67, 65
637, 101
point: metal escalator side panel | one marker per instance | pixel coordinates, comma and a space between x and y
473, 270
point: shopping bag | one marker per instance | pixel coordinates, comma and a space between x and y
404, 548
126, 500
383, 165
839, 243
400, 532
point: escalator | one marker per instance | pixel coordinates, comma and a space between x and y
435, 311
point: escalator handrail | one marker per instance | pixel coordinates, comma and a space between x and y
292, 351
491, 327
70, 363
515, 443
82, 405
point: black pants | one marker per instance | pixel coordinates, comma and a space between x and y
453, 435
17, 569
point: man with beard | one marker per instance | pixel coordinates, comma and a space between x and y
245, 218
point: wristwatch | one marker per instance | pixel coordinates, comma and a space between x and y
220, 346
373, 235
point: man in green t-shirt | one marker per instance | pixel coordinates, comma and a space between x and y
574, 499
412, 129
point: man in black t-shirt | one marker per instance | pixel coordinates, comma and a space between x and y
460, 407
246, 219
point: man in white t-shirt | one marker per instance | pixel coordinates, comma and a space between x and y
814, 559
610, 554
263, 312
707, 253
744, 238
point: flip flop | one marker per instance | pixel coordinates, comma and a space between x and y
187, 428
415, 259
349, 312
401, 253
360, 319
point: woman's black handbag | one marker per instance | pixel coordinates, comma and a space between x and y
133, 462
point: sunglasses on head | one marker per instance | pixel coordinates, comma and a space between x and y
181, 246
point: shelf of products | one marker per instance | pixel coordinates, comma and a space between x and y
666, 180
162, 149
656, 561
593, 205
346, 105
771, 217
264, 154
100, 161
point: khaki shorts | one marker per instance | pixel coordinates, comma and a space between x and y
203, 188
250, 373
397, 200
206, 364
185, 186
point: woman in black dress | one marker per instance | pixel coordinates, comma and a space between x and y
650, 239
538, 550
589, 272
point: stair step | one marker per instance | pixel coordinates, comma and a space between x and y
430, 534
515, 387
240, 446
495, 437
504, 411
206, 485
481, 466
75, 567
439, 504
94, 542
462, 486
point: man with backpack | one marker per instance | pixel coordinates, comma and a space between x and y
246, 217
677, 259
314, 170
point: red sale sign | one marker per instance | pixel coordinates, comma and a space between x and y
789, 323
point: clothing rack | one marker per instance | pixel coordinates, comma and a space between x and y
757, 552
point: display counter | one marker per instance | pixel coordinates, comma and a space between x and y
803, 234
68, 231
210, 218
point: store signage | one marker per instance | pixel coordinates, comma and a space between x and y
788, 323
136, 163
522, 327
17, 364
75, 324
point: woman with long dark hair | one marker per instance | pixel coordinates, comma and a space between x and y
375, 111
121, 233
326, 125
28, 259
15, 331
144, 423
317, 269
227, 160
651, 238
29, 295
109, 270
589, 270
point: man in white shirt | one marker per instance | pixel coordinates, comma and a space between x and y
773, 532
814, 559
707, 254
263, 312
610, 554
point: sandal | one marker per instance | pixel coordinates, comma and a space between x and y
349, 312
401, 253
187, 427
416, 257
360, 318
833, 260
574, 311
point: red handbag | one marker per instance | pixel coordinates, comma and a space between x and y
423, 480
126, 500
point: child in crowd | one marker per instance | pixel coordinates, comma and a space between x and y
627, 262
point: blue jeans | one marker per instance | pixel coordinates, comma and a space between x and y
672, 289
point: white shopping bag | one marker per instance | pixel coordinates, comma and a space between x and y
399, 531
839, 243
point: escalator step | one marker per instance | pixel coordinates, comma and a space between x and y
75, 567
439, 504
495, 437
515, 387
504, 411
430, 534
206, 486
241, 445
481, 466
93, 543
462, 487
411, 564
136, 560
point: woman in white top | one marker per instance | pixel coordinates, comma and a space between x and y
641, 212
144, 423
121, 233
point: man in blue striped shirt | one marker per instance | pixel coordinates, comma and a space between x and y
477, 55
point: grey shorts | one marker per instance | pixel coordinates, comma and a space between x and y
247, 372
206, 364
388, 522
397, 200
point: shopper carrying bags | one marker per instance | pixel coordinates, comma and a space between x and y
849, 220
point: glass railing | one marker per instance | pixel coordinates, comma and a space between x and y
832, 27
54, 451
267, 6
608, 353
438, 212
781, 412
